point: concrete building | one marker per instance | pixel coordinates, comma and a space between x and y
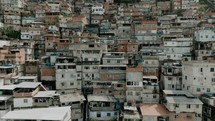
103, 108
88, 51
175, 48
151, 65
116, 75
204, 43
67, 73
7, 73
114, 58
171, 76
151, 89
198, 77
134, 84
130, 113
98, 9
24, 92
77, 103
182, 105
6, 99
204, 35
208, 106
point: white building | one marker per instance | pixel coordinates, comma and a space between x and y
189, 4
130, 113
150, 93
184, 104
98, 9
10, 4
198, 77
102, 108
40, 114
28, 20
171, 76
67, 74
54, 6
175, 48
204, 35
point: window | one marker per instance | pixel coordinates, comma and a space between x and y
173, 86
119, 85
130, 93
176, 105
62, 76
197, 106
108, 61
137, 93
201, 70
154, 96
212, 79
188, 105
72, 75
71, 84
86, 67
118, 61
169, 70
208, 90
108, 114
185, 77
212, 69
198, 89
62, 84
129, 83
146, 62
115, 113
25, 100
95, 67
169, 78
98, 114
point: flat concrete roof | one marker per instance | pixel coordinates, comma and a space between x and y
177, 92
51, 113
100, 98
153, 110
182, 100
75, 97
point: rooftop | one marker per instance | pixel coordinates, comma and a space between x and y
153, 110
182, 100
46, 94
100, 98
75, 97
57, 113
7, 87
28, 85
177, 93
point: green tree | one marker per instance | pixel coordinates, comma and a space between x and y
9, 33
